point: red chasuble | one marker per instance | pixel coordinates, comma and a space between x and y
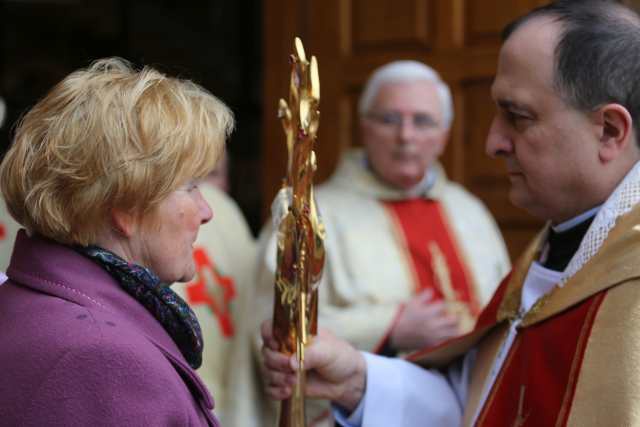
436, 259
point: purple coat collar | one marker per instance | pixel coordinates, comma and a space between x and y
60, 271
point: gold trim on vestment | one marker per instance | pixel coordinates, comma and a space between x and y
608, 384
510, 305
496, 383
617, 260
482, 366
474, 288
575, 365
459, 308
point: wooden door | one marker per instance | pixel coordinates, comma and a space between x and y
350, 38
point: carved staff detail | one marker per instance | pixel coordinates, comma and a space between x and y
300, 254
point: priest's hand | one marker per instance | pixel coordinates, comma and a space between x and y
423, 323
335, 370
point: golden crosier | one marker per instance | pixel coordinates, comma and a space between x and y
300, 233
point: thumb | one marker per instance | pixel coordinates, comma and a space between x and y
307, 364
317, 354
293, 362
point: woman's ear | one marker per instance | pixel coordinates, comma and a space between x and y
616, 131
124, 223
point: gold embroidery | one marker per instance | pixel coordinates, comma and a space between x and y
540, 303
520, 417
577, 359
510, 304
498, 382
443, 280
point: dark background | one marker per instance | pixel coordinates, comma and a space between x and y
216, 43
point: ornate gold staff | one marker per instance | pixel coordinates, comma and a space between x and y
300, 233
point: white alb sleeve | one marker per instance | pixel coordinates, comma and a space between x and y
400, 393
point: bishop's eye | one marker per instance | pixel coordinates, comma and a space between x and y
516, 118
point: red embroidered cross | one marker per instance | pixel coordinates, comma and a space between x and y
197, 291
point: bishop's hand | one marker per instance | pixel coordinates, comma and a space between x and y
335, 370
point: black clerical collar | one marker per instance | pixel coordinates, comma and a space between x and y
564, 240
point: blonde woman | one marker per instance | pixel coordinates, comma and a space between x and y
103, 176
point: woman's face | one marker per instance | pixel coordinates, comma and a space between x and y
167, 234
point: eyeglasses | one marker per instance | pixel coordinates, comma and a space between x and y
421, 122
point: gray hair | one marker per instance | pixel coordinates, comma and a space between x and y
406, 72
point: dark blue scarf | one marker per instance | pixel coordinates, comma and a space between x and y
166, 306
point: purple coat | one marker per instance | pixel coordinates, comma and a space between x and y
77, 350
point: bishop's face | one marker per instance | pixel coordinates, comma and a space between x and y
550, 148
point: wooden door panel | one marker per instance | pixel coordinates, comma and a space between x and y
486, 18
385, 24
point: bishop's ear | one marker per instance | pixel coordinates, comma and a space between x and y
616, 131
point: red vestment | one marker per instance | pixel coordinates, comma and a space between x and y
574, 359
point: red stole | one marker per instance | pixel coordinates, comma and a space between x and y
430, 244
536, 384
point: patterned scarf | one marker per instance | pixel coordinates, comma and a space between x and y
166, 306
